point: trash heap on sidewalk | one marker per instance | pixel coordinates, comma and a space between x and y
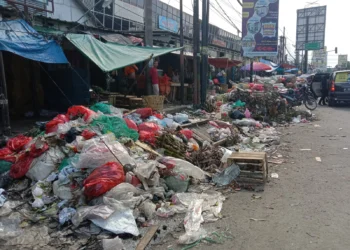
100, 172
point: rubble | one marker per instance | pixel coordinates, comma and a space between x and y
106, 175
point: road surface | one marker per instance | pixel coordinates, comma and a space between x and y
308, 206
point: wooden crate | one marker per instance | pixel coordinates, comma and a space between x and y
253, 166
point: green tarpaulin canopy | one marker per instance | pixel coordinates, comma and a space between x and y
112, 56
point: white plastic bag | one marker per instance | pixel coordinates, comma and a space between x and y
184, 167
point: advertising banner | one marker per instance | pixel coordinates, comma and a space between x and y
260, 28
168, 24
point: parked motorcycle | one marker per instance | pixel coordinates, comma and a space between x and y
301, 95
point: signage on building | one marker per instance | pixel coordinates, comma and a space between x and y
319, 58
311, 25
168, 24
260, 28
219, 43
342, 60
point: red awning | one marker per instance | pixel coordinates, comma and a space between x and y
221, 62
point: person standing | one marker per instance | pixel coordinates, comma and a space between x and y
130, 73
324, 91
154, 78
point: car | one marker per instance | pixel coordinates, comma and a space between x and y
339, 87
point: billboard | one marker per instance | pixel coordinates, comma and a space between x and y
342, 60
319, 59
260, 28
168, 24
311, 26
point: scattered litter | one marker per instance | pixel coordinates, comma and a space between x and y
305, 149
318, 159
317, 126
345, 148
274, 175
253, 219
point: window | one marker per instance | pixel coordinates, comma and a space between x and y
141, 3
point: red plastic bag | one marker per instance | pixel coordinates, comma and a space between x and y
187, 132
36, 151
147, 136
17, 143
21, 167
149, 126
7, 155
159, 116
52, 125
144, 112
87, 134
103, 179
131, 124
81, 111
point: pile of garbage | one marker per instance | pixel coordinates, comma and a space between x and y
104, 170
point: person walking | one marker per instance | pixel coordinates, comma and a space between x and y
154, 78
324, 91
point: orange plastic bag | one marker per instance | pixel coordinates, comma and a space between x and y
81, 111
7, 155
87, 134
103, 179
187, 132
131, 124
52, 125
144, 112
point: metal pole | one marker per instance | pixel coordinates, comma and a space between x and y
148, 39
204, 71
182, 58
6, 128
284, 44
195, 52
306, 41
251, 69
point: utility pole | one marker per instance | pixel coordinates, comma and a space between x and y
204, 71
284, 44
148, 39
4, 106
196, 87
182, 58
306, 41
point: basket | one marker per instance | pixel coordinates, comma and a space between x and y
154, 102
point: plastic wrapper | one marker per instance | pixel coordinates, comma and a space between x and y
21, 167
148, 173
181, 118
247, 122
115, 125
192, 223
88, 134
66, 214
103, 179
44, 165
182, 166
227, 176
148, 209
75, 112
135, 118
17, 143
52, 125
131, 124
117, 220
99, 151
144, 112
177, 183
167, 210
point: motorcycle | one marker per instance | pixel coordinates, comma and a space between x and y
301, 95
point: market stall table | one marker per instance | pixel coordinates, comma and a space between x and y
174, 86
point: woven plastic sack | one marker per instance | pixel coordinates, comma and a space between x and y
80, 111
115, 125
21, 167
17, 143
102, 107
103, 179
5, 166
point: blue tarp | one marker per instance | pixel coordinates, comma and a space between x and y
20, 38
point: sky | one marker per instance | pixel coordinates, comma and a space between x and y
338, 17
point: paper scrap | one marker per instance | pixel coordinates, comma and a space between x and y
318, 159
345, 148
317, 126
253, 219
305, 149
274, 175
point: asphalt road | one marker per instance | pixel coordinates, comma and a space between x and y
307, 207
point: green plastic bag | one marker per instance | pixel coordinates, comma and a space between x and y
102, 107
115, 125
5, 166
238, 104
68, 161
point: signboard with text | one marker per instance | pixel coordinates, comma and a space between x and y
260, 28
168, 24
342, 60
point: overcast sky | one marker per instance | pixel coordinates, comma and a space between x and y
337, 29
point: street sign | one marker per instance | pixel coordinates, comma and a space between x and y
312, 46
